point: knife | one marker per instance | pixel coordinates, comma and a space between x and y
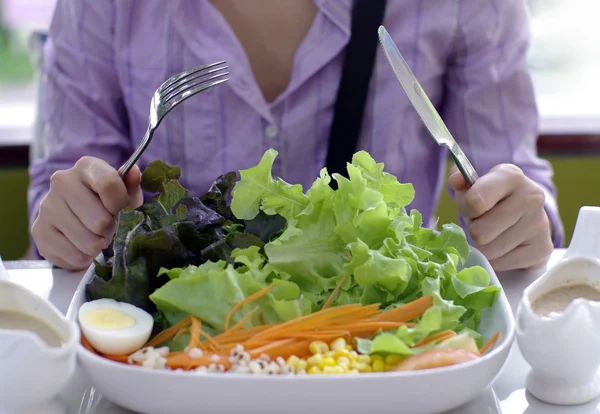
427, 112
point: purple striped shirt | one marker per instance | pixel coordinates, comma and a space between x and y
104, 59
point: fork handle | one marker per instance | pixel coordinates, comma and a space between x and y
125, 168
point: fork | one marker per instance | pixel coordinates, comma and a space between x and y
171, 93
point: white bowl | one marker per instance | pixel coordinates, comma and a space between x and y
419, 392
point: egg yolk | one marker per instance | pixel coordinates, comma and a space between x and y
107, 319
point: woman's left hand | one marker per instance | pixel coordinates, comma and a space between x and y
506, 218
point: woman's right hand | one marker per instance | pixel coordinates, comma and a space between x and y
78, 216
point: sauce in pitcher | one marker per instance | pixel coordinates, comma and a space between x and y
12, 320
557, 300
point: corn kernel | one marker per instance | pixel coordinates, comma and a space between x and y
341, 352
333, 370
314, 371
302, 364
345, 367
353, 372
349, 348
327, 362
293, 361
343, 360
318, 347
393, 359
362, 367
338, 343
378, 365
353, 355
366, 359
329, 354
314, 360
376, 358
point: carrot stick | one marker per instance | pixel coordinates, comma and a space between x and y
169, 332
408, 311
209, 339
489, 343
370, 325
239, 335
117, 358
438, 337
181, 332
249, 299
331, 297
272, 345
184, 361
345, 330
244, 320
282, 348
321, 318
319, 335
345, 316
195, 333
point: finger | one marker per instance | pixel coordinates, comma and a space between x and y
75, 231
506, 242
132, 183
54, 247
88, 208
489, 190
524, 257
456, 181
105, 181
483, 230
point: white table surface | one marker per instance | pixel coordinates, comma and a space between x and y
508, 395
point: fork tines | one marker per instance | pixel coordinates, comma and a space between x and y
207, 75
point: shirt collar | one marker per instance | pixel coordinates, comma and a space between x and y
338, 11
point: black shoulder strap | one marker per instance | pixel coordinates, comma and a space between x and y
367, 16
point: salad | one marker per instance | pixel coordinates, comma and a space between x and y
258, 276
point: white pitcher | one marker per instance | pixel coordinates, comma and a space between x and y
564, 349
31, 372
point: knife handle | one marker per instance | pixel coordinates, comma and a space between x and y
464, 165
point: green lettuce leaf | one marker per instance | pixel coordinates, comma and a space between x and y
257, 189
388, 343
430, 323
471, 288
201, 255
451, 313
210, 290
392, 191
170, 230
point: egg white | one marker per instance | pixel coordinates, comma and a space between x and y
117, 341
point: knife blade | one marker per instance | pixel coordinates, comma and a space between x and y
429, 115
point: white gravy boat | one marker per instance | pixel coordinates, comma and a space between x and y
563, 350
31, 372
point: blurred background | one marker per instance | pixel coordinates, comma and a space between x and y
564, 60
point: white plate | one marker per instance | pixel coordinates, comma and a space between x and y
419, 392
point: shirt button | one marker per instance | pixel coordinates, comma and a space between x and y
271, 131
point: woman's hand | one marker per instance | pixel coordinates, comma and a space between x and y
78, 216
506, 217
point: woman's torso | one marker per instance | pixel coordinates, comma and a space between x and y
229, 127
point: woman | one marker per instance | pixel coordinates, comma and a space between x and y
105, 59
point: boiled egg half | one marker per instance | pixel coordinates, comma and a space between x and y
115, 328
